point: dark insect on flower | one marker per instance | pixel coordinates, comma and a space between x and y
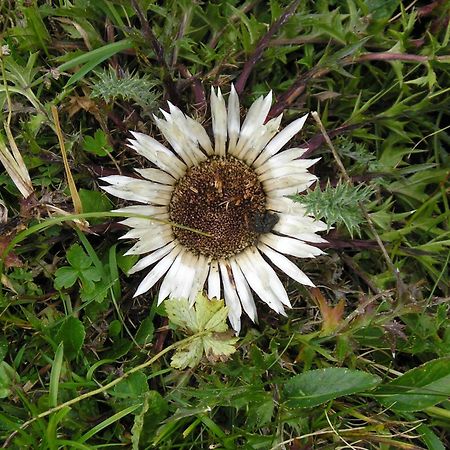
263, 222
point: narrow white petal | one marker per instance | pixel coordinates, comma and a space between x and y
202, 268
152, 258
137, 186
282, 138
298, 227
185, 133
294, 212
300, 181
255, 117
171, 280
234, 119
285, 205
176, 139
142, 197
148, 241
148, 210
270, 275
262, 279
290, 246
290, 190
179, 278
298, 167
244, 291
219, 121
284, 264
157, 175
156, 153
285, 157
145, 224
214, 280
157, 272
261, 138
249, 126
200, 135
231, 297
302, 222
186, 275
147, 234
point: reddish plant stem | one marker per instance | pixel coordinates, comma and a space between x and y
286, 99
428, 9
316, 141
356, 244
197, 88
263, 44
159, 52
386, 56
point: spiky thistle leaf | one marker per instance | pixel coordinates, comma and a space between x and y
130, 87
339, 205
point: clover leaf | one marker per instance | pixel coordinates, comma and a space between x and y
81, 269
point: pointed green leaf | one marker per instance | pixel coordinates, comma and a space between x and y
419, 388
319, 386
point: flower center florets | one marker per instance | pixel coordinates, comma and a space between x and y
223, 198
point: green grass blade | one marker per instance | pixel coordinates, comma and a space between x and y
55, 375
108, 422
92, 59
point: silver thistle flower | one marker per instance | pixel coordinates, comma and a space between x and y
234, 192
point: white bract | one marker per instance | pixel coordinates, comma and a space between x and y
221, 207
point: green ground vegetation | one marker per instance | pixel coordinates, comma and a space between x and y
361, 361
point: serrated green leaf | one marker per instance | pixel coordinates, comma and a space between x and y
315, 387
97, 144
145, 332
65, 277
219, 345
94, 201
78, 258
418, 388
211, 315
156, 413
187, 356
92, 273
138, 424
207, 317
180, 313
